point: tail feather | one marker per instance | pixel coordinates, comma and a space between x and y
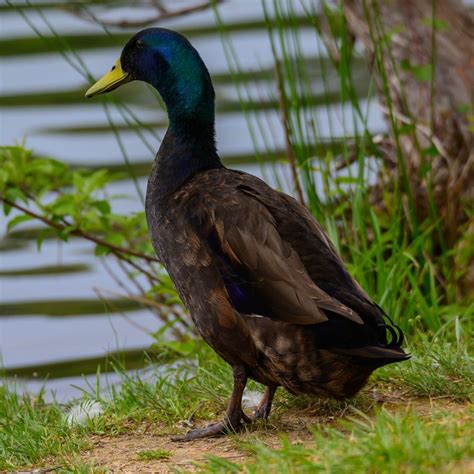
376, 355
396, 333
376, 343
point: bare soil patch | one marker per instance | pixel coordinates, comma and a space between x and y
120, 454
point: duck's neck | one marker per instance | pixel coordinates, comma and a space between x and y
189, 143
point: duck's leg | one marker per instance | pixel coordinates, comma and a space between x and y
265, 405
234, 416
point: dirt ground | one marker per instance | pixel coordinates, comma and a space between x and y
119, 454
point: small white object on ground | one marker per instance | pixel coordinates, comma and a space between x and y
251, 398
82, 413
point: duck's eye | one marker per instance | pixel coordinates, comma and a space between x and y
140, 44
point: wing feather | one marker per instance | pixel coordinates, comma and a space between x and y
248, 236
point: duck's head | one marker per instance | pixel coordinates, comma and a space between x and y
166, 60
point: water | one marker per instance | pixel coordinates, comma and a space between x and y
35, 338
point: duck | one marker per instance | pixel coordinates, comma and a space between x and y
263, 283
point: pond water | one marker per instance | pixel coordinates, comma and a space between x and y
35, 286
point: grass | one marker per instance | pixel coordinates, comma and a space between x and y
197, 386
31, 431
80, 467
439, 369
354, 434
383, 443
153, 454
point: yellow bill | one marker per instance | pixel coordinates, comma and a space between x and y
110, 81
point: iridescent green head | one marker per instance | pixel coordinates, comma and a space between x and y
166, 60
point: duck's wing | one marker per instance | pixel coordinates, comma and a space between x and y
263, 272
297, 227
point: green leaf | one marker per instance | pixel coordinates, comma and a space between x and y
95, 181
335, 19
431, 151
63, 234
100, 250
39, 241
6, 208
64, 205
423, 73
15, 194
346, 180
18, 220
436, 23
115, 239
463, 108
425, 169
395, 30
3, 177
406, 129
103, 206
78, 181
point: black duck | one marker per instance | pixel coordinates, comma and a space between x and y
259, 276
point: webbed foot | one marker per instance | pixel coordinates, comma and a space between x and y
234, 419
210, 431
